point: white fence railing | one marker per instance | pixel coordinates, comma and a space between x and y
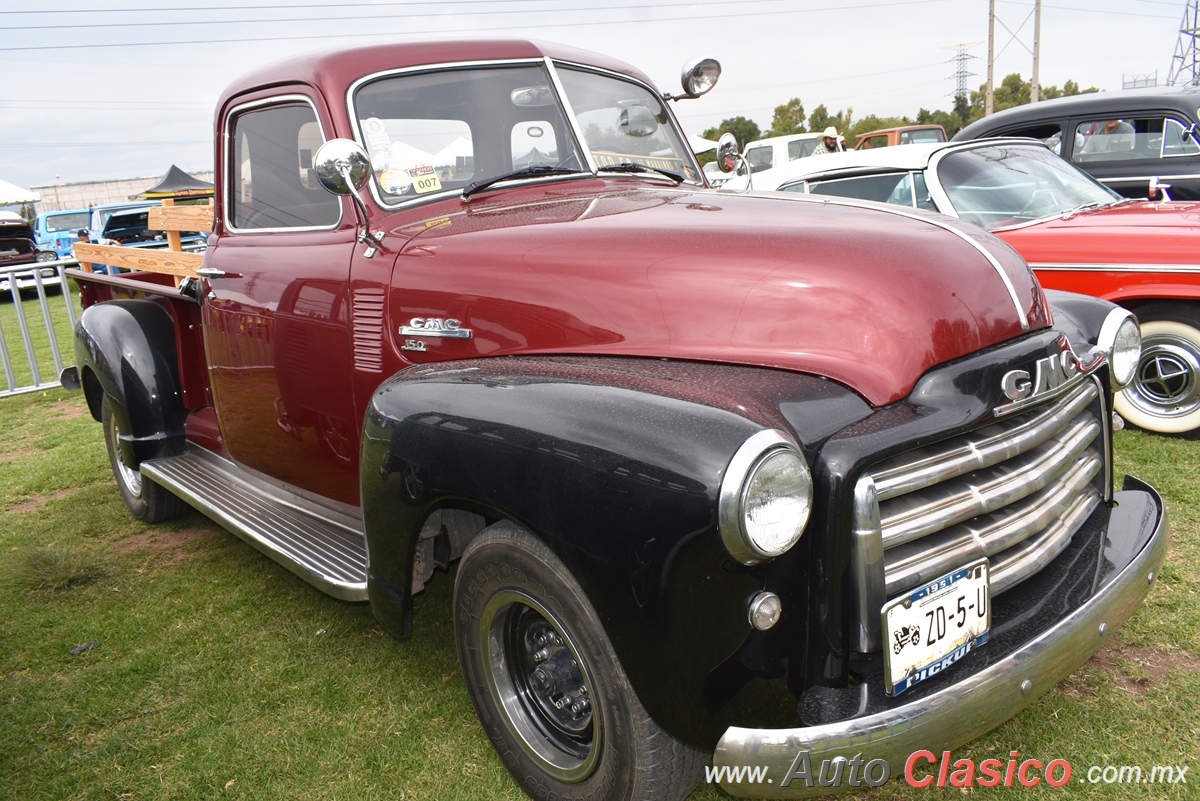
18, 283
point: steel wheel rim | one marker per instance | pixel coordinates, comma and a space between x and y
565, 745
1167, 382
130, 477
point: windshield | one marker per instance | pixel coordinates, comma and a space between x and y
430, 133
1004, 185
624, 123
66, 222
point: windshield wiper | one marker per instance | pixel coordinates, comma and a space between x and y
527, 172
629, 166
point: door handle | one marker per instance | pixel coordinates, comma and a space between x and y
210, 272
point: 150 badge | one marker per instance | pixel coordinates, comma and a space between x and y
447, 328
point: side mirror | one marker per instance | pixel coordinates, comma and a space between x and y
1156, 188
342, 166
727, 153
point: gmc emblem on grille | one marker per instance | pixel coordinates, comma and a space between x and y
1051, 373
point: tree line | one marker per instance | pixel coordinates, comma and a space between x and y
790, 118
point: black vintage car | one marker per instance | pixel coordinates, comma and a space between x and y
1140, 143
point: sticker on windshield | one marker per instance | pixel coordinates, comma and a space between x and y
377, 135
424, 178
395, 181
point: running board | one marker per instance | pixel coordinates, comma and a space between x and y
325, 548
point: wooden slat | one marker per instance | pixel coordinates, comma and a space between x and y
145, 259
181, 218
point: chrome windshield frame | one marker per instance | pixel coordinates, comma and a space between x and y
589, 168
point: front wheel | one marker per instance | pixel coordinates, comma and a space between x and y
547, 685
1165, 393
146, 499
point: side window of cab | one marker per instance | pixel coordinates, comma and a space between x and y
1126, 138
273, 185
1050, 133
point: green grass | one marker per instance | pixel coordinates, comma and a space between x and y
218, 674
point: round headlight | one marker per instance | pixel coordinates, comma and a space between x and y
766, 498
777, 501
1127, 350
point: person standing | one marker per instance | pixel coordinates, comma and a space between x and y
829, 142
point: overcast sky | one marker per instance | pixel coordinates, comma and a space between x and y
112, 89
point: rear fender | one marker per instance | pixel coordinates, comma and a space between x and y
125, 350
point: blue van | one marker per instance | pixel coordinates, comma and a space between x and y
56, 231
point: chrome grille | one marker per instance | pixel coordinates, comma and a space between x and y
1014, 491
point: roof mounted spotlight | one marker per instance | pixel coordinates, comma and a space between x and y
699, 76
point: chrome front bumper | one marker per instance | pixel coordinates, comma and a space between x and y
964, 710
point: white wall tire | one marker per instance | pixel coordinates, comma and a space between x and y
1165, 394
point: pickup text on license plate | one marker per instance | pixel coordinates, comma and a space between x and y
935, 625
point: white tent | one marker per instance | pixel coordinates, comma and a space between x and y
11, 195
450, 153
699, 144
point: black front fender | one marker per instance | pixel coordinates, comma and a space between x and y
614, 464
126, 350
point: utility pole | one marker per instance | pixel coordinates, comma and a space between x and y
1037, 35
988, 105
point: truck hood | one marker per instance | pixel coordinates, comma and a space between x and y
865, 296
1130, 233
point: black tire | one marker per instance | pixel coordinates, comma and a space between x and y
146, 499
553, 699
1165, 393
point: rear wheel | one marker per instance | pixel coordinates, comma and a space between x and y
147, 500
546, 682
1165, 393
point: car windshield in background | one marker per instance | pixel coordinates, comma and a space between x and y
1005, 185
66, 222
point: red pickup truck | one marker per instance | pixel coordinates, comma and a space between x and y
771, 482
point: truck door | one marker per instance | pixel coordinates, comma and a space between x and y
276, 316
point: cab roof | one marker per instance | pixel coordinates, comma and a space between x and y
334, 71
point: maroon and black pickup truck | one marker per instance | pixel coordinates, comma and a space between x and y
766, 481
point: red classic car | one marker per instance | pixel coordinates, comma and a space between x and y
1076, 233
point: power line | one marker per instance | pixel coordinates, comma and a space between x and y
523, 26
1091, 10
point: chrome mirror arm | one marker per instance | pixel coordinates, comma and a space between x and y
343, 167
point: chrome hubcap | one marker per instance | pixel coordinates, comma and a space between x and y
1167, 383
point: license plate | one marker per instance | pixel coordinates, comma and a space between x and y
935, 625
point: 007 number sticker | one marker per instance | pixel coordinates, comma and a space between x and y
935, 625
